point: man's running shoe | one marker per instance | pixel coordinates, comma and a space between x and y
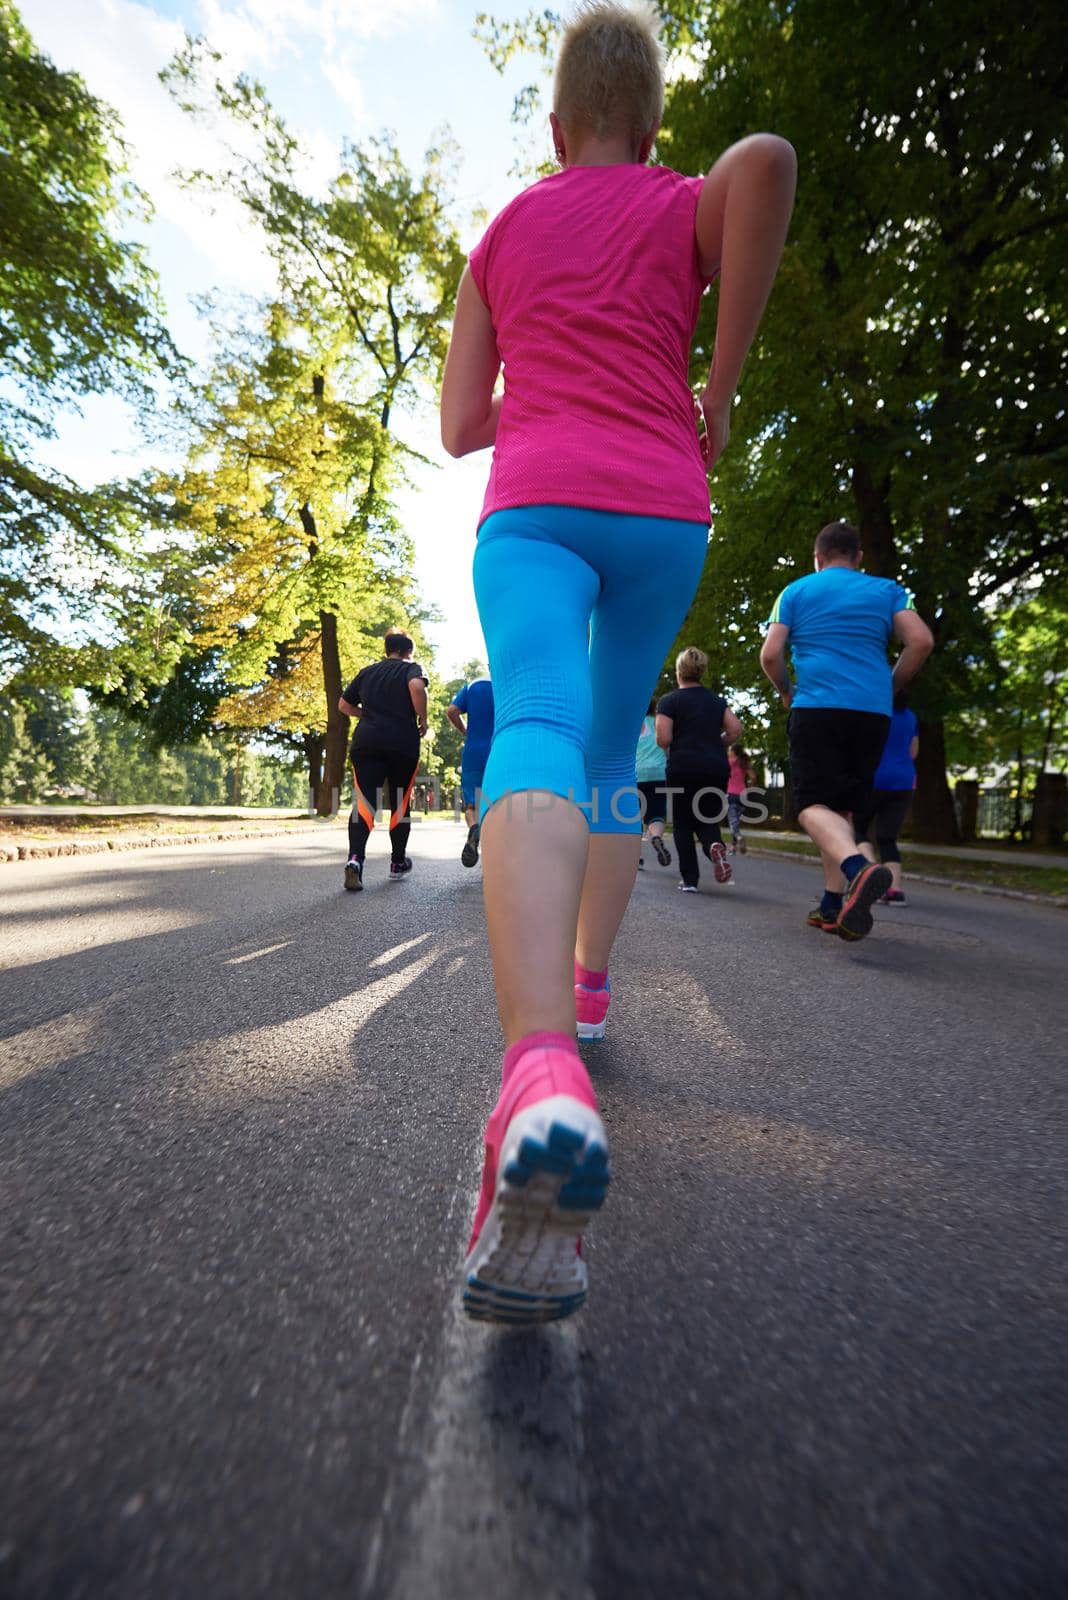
827, 920
687, 888
720, 865
353, 873
663, 854
399, 869
895, 897
591, 1010
469, 853
855, 920
546, 1171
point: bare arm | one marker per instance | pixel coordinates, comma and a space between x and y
743, 214
469, 410
417, 691
773, 661
665, 728
732, 728
453, 714
347, 710
918, 642
914, 748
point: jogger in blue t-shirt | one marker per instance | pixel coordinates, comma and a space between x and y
838, 623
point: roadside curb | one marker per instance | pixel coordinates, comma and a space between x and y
1058, 901
119, 845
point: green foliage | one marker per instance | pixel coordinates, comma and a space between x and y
289, 491
905, 375
25, 771
1019, 713
78, 315
909, 373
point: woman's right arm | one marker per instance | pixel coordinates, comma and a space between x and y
469, 409
743, 214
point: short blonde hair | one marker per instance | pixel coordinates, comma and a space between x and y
691, 664
610, 71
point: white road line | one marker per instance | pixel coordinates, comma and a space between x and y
503, 1509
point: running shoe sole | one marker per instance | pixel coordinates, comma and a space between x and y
824, 924
469, 854
590, 1030
722, 868
855, 920
553, 1175
663, 854
353, 879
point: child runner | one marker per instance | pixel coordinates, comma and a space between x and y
741, 776
476, 699
651, 773
692, 724
592, 539
888, 804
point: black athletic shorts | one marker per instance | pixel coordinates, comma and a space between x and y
834, 755
654, 801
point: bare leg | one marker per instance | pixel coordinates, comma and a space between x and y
895, 873
470, 815
606, 890
833, 832
833, 876
534, 849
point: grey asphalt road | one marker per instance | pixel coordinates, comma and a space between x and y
240, 1116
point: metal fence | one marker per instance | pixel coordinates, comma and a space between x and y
997, 814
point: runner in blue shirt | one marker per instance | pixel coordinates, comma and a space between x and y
890, 799
838, 623
475, 700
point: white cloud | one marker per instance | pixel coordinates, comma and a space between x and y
119, 48
258, 33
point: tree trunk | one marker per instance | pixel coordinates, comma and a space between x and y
934, 820
1049, 809
870, 496
313, 755
328, 795
967, 792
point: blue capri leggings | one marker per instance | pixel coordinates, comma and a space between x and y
579, 609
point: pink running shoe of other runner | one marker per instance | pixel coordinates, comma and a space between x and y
591, 1009
546, 1172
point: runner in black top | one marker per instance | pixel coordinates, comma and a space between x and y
389, 700
692, 724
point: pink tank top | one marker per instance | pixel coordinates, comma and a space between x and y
592, 280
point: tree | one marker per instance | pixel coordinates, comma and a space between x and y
79, 315
368, 275
905, 374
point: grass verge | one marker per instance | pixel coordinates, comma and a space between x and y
954, 868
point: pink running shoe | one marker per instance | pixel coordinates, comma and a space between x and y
720, 865
591, 1010
546, 1172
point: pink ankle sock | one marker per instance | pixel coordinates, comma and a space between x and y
588, 978
535, 1041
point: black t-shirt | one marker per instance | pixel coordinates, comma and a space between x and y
389, 721
697, 726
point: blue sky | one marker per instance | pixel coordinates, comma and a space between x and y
336, 69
